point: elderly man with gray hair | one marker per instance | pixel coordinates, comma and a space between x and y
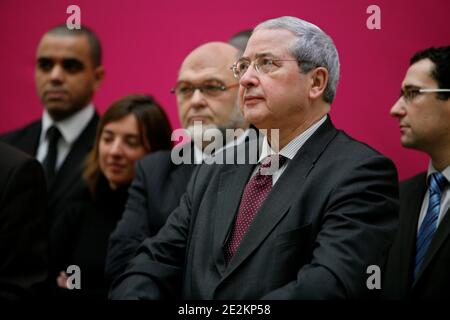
307, 230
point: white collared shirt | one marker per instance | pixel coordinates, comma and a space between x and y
445, 197
289, 151
70, 129
200, 157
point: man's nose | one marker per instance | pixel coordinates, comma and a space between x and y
250, 78
198, 99
398, 109
57, 73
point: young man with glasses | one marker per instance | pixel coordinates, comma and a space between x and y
419, 261
308, 230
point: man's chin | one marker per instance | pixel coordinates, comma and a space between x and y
200, 128
204, 123
407, 143
258, 122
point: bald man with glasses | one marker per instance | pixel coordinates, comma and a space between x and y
206, 94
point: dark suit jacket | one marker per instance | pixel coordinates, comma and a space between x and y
68, 183
433, 282
329, 216
154, 193
23, 223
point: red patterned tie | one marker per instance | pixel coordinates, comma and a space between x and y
255, 192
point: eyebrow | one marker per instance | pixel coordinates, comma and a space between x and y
207, 80
259, 55
106, 131
264, 54
127, 135
410, 86
42, 58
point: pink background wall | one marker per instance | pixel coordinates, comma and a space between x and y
144, 43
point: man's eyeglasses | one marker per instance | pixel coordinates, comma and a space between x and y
212, 89
261, 65
410, 94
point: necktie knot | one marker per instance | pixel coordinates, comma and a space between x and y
268, 161
437, 182
53, 134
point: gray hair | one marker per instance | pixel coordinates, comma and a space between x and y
313, 48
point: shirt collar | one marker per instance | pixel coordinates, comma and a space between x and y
199, 156
445, 172
71, 127
290, 150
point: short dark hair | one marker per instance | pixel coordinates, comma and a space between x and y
94, 42
441, 71
154, 130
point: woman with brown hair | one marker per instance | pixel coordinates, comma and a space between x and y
131, 128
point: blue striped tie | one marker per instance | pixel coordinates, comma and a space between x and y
437, 183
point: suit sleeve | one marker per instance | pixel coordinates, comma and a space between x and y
24, 225
131, 230
156, 271
356, 230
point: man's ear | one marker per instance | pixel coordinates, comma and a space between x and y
99, 74
319, 78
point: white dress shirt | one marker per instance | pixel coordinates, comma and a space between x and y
200, 157
70, 129
445, 197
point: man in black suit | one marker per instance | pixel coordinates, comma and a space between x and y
419, 261
68, 72
307, 230
159, 182
23, 223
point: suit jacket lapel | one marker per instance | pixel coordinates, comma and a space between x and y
441, 234
32, 144
411, 207
30, 141
280, 198
231, 187
70, 171
182, 173
273, 209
